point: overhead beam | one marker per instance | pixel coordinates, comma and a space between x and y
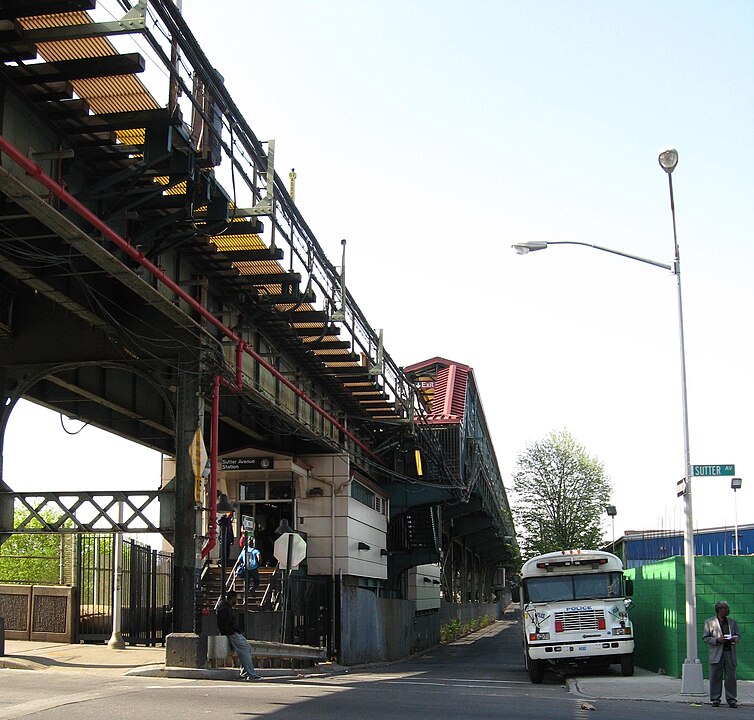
49, 90
454, 511
289, 298
468, 525
328, 345
282, 278
104, 402
51, 293
132, 22
11, 9
23, 196
252, 255
79, 69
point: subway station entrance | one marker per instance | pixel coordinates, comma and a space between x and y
268, 502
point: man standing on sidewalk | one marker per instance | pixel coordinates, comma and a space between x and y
721, 635
226, 624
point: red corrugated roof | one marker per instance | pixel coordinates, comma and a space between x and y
435, 361
451, 379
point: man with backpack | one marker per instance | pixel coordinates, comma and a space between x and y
248, 561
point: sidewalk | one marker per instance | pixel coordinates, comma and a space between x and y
32, 655
133, 660
150, 662
646, 685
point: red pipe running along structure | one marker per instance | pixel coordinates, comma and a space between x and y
215, 426
215, 430
35, 171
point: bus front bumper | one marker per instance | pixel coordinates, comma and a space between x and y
570, 651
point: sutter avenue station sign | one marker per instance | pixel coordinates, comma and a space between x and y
246, 463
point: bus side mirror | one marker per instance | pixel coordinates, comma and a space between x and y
516, 593
629, 587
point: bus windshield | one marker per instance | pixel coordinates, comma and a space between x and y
595, 586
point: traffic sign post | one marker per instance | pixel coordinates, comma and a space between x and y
290, 550
294, 547
713, 470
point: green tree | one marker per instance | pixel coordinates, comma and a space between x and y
31, 557
561, 495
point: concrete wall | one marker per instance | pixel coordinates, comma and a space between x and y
38, 612
373, 628
465, 612
425, 633
659, 613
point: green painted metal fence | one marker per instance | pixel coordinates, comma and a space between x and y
659, 612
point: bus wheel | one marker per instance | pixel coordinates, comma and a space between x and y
536, 671
627, 665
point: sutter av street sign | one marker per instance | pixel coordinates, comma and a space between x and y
712, 470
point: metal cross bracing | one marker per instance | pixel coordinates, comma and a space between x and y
84, 511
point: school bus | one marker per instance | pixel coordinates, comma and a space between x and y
574, 605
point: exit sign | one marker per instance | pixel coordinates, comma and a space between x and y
712, 470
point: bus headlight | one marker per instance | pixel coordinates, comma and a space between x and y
622, 631
538, 636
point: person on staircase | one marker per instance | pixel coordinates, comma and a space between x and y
248, 562
225, 523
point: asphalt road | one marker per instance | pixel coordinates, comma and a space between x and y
479, 677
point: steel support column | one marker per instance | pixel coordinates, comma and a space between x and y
6, 407
186, 559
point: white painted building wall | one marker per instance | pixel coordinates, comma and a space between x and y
424, 586
357, 538
354, 523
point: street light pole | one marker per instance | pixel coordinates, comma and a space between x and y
612, 511
692, 682
735, 483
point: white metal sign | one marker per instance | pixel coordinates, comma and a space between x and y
297, 550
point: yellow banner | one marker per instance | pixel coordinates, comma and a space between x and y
199, 457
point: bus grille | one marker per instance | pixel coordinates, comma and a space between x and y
581, 620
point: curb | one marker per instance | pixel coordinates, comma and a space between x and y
226, 674
7, 663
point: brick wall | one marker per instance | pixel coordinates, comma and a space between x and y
659, 613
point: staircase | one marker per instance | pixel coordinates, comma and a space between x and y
211, 586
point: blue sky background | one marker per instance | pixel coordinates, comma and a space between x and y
433, 135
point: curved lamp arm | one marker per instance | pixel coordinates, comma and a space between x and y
523, 248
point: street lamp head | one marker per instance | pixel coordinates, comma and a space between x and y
735, 483
611, 510
524, 248
668, 159
223, 504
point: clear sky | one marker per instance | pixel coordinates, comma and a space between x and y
433, 135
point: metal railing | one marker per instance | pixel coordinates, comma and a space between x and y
147, 591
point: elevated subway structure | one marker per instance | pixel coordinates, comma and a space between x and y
478, 535
158, 282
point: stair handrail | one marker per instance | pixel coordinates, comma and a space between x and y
269, 593
230, 581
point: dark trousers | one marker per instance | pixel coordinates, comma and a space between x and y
727, 669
